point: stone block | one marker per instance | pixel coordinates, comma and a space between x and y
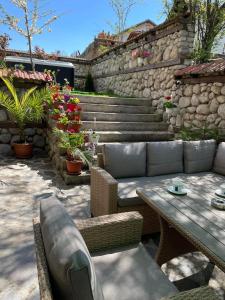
184, 102
188, 91
5, 149
221, 111
214, 106
15, 139
14, 130
216, 89
223, 90
5, 138
3, 115
203, 109
221, 99
29, 131
39, 141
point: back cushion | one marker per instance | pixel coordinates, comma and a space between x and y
219, 162
125, 160
199, 156
164, 158
68, 258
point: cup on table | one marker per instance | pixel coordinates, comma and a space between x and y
178, 185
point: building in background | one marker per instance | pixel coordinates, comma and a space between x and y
105, 41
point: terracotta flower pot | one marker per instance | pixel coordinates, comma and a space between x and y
55, 117
74, 167
56, 104
61, 126
76, 127
23, 150
71, 106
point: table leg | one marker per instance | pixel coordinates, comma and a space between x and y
172, 243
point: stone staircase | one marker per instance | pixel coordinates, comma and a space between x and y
123, 119
117, 120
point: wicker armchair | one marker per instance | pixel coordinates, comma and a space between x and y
104, 199
100, 233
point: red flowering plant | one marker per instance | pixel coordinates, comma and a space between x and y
56, 113
169, 102
140, 53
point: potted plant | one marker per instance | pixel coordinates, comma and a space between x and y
23, 109
169, 105
62, 122
77, 154
54, 113
75, 125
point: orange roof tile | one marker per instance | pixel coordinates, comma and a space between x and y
217, 66
25, 75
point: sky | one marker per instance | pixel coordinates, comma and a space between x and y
79, 22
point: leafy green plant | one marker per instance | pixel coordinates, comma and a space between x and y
75, 145
89, 83
63, 120
169, 104
25, 108
203, 133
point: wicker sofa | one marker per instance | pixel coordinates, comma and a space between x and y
122, 168
99, 258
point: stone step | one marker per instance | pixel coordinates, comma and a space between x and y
130, 136
102, 116
83, 178
125, 126
115, 100
130, 109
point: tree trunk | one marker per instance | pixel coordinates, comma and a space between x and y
29, 39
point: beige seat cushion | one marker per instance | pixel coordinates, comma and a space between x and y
131, 274
207, 181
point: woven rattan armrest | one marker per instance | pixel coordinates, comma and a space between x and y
202, 293
107, 232
100, 160
43, 274
104, 192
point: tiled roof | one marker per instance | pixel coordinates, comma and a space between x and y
217, 66
25, 75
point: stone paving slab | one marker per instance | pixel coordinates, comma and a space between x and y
22, 185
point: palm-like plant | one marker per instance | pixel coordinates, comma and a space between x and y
25, 108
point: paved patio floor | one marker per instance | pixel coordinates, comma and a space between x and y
22, 185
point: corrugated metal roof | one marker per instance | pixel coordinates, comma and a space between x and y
25, 75
217, 66
37, 61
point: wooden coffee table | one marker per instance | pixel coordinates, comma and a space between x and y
188, 223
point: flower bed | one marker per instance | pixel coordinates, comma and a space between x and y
79, 145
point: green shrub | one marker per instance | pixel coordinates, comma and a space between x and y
89, 83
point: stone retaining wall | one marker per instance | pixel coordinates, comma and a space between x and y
199, 104
152, 77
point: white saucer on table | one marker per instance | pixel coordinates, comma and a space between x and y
171, 189
220, 193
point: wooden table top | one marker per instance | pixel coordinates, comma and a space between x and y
192, 215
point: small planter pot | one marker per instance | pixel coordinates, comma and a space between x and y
55, 117
61, 126
23, 150
74, 167
56, 104
71, 106
169, 111
76, 127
